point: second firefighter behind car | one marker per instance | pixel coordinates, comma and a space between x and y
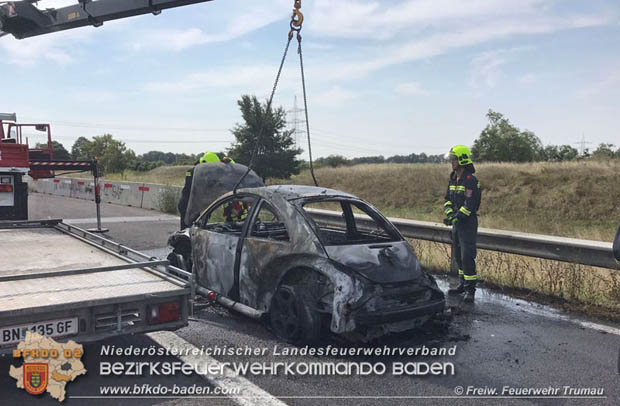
187, 187
460, 208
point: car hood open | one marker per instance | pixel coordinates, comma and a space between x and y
391, 262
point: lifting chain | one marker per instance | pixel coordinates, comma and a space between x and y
297, 20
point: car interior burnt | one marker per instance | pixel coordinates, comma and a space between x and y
228, 216
350, 229
268, 225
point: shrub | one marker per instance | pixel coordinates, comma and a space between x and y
168, 199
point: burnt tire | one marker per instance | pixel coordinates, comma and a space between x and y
293, 315
173, 260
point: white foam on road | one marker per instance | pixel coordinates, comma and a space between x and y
248, 393
131, 219
520, 305
599, 327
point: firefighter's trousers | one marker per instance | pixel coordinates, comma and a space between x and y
464, 247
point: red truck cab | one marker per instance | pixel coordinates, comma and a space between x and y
15, 159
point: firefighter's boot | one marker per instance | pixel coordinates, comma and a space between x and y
460, 288
470, 291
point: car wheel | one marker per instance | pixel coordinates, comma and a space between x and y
293, 316
173, 260
178, 261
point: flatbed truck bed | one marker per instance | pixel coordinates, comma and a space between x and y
61, 281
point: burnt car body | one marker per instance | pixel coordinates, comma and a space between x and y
270, 249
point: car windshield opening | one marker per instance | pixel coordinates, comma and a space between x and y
351, 222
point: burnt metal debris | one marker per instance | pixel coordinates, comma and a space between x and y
262, 248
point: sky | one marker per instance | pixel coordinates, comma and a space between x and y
383, 77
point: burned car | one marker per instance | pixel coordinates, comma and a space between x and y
311, 260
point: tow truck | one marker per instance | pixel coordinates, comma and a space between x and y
80, 285
61, 281
18, 158
57, 279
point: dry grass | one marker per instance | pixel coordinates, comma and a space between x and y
587, 289
574, 199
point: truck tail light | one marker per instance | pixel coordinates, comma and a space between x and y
163, 312
6, 188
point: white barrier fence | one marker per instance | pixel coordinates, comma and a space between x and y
135, 194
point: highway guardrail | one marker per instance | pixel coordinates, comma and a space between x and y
585, 252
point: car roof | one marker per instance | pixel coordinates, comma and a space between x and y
293, 192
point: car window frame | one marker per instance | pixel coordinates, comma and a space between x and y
347, 210
202, 220
277, 212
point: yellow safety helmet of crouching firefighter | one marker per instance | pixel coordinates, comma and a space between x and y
209, 157
462, 154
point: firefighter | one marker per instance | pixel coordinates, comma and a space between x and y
187, 188
461, 205
616, 246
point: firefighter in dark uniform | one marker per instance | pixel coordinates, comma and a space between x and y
187, 188
460, 207
616, 246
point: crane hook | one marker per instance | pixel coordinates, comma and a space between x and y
297, 20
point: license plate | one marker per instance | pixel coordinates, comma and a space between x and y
48, 328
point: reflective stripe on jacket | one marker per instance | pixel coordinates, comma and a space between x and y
463, 195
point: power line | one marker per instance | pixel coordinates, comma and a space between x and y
137, 141
113, 126
582, 144
297, 123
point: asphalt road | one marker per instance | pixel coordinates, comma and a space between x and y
501, 343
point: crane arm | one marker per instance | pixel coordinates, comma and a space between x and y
22, 19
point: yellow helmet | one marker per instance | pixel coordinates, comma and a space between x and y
209, 157
462, 154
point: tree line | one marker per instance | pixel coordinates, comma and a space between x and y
501, 141
114, 156
263, 134
334, 161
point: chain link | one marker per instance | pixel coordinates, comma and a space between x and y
297, 20
303, 83
267, 110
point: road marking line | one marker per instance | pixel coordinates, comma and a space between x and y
131, 219
248, 395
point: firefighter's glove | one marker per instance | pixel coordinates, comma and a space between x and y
450, 220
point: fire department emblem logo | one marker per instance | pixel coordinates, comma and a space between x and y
35, 377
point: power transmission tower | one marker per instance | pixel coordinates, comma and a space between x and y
297, 124
582, 144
